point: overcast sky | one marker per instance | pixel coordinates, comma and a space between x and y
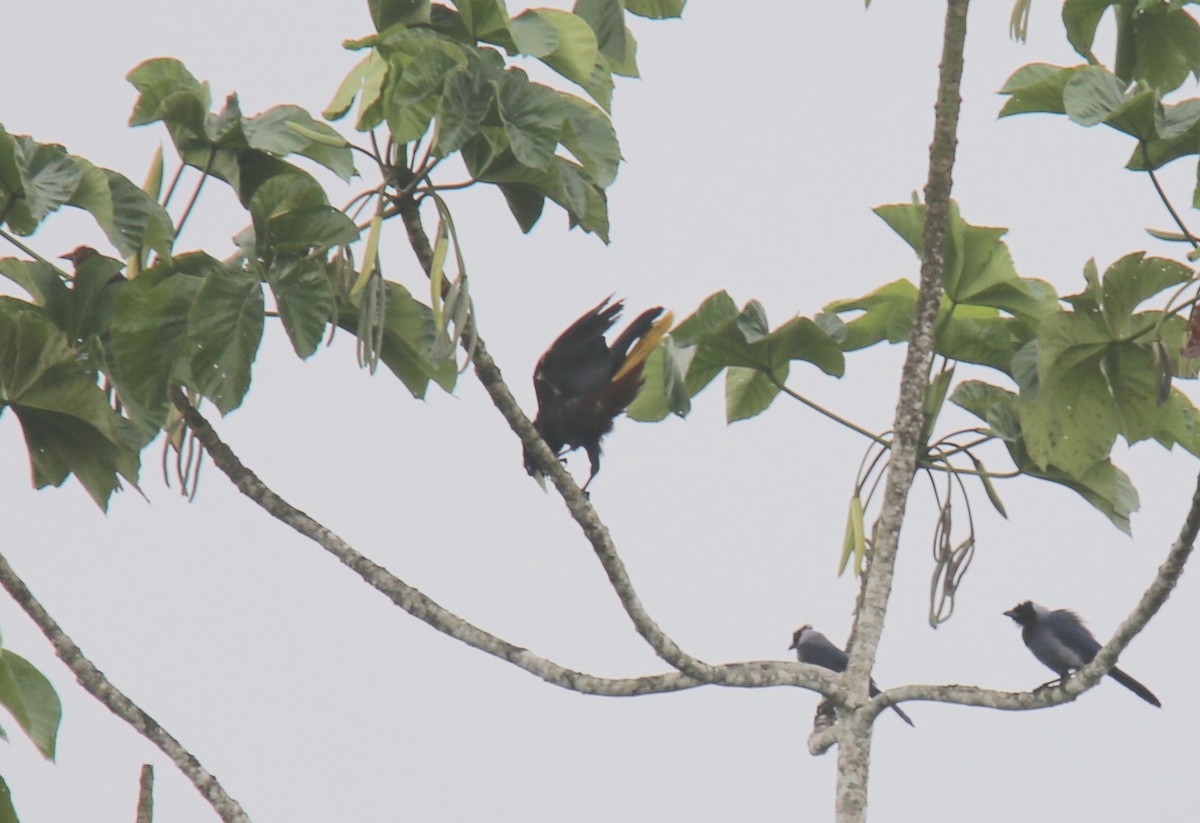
757, 143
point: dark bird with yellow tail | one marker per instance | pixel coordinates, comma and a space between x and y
582, 383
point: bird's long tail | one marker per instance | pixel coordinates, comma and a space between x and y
1134, 686
874, 690
646, 343
903, 716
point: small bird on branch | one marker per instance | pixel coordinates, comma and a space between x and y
815, 648
582, 383
79, 256
1062, 642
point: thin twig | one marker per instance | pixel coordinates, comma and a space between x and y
145, 806
1162, 195
779, 384
191, 204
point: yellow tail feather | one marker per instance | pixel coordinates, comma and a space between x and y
645, 345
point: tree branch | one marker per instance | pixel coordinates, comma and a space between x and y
854, 759
577, 502
1089, 676
750, 674
96, 684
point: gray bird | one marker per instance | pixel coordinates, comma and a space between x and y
813, 647
1059, 639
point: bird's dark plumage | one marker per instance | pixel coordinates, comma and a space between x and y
813, 647
1060, 640
583, 383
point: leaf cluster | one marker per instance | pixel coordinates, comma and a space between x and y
1075, 372
437, 74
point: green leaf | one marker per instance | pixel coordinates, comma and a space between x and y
802, 339
567, 183
743, 343
68, 425
484, 19
1133, 382
589, 135
651, 403
1178, 135
577, 52
717, 309
465, 101
992, 404
1081, 17
409, 336
388, 13
749, 392
147, 333
533, 118
48, 176
420, 68
1104, 486
534, 35
886, 315
655, 9
935, 398
225, 327
31, 700
1094, 95
1167, 47
138, 222
607, 19
305, 297
525, 202
158, 82
351, 86
1132, 280
1073, 422
40, 279
1180, 423
275, 131
313, 227
7, 813
977, 335
370, 101
1037, 87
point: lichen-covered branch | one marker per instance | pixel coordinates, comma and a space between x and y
750, 674
577, 503
97, 685
1152, 600
854, 759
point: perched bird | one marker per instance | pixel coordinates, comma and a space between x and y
582, 383
813, 647
1060, 640
79, 256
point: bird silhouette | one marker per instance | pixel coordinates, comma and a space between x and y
1062, 642
583, 383
813, 647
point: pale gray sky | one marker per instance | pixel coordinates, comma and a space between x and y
758, 141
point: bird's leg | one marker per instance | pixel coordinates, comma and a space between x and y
593, 458
1058, 681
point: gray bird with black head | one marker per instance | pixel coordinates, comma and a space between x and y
1062, 642
813, 647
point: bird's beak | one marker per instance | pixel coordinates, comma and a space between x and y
1011, 613
541, 479
793, 646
